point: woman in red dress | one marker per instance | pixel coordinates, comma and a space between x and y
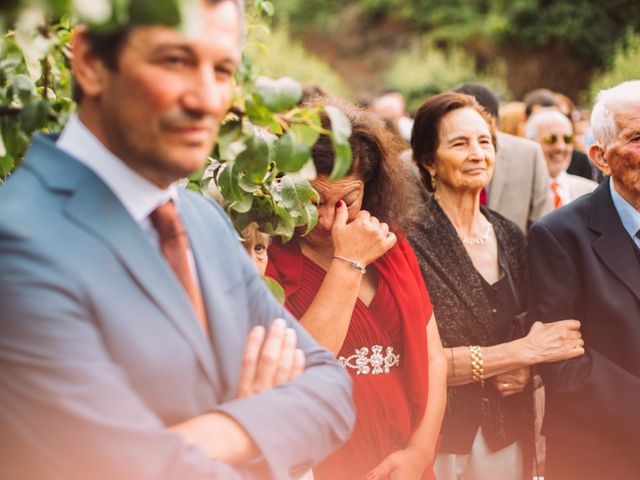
355, 284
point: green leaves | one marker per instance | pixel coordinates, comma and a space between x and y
261, 165
275, 289
255, 159
35, 83
291, 155
263, 161
151, 12
278, 95
22, 87
34, 115
299, 199
265, 7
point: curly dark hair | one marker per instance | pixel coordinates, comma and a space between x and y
390, 190
425, 135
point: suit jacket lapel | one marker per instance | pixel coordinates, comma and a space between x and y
613, 246
214, 275
94, 207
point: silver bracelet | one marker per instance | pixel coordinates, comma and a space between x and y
354, 263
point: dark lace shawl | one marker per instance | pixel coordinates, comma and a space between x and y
464, 317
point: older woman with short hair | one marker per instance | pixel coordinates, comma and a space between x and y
473, 262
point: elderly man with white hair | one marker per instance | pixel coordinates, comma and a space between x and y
554, 132
584, 263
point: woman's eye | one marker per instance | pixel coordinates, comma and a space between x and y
259, 248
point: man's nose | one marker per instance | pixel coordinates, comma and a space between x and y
206, 95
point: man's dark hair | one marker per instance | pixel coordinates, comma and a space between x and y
483, 95
106, 46
540, 96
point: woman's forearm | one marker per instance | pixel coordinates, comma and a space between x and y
425, 437
496, 359
327, 318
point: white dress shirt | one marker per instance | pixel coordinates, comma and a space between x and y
564, 189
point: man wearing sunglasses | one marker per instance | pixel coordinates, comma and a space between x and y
554, 132
584, 262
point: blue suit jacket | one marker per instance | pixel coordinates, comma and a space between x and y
100, 349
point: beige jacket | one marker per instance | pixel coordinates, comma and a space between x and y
519, 189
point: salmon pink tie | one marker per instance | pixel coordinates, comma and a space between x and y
557, 201
175, 246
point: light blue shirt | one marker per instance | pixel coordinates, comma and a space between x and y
629, 216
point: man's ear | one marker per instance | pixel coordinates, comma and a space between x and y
88, 70
596, 154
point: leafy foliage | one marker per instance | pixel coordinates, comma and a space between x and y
590, 28
287, 57
582, 34
262, 163
423, 70
35, 84
625, 66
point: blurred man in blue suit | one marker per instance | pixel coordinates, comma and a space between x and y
134, 329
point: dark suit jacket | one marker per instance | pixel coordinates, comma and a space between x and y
101, 351
464, 317
584, 265
580, 165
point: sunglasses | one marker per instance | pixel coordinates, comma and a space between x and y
553, 138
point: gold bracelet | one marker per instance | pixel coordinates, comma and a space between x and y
477, 367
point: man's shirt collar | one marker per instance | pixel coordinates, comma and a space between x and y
139, 196
629, 216
562, 180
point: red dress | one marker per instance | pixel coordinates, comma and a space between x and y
390, 377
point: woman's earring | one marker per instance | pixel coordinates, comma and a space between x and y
433, 182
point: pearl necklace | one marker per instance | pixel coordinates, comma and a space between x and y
477, 240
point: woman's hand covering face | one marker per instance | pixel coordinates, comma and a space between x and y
364, 239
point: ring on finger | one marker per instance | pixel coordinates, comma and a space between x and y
580, 343
505, 386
